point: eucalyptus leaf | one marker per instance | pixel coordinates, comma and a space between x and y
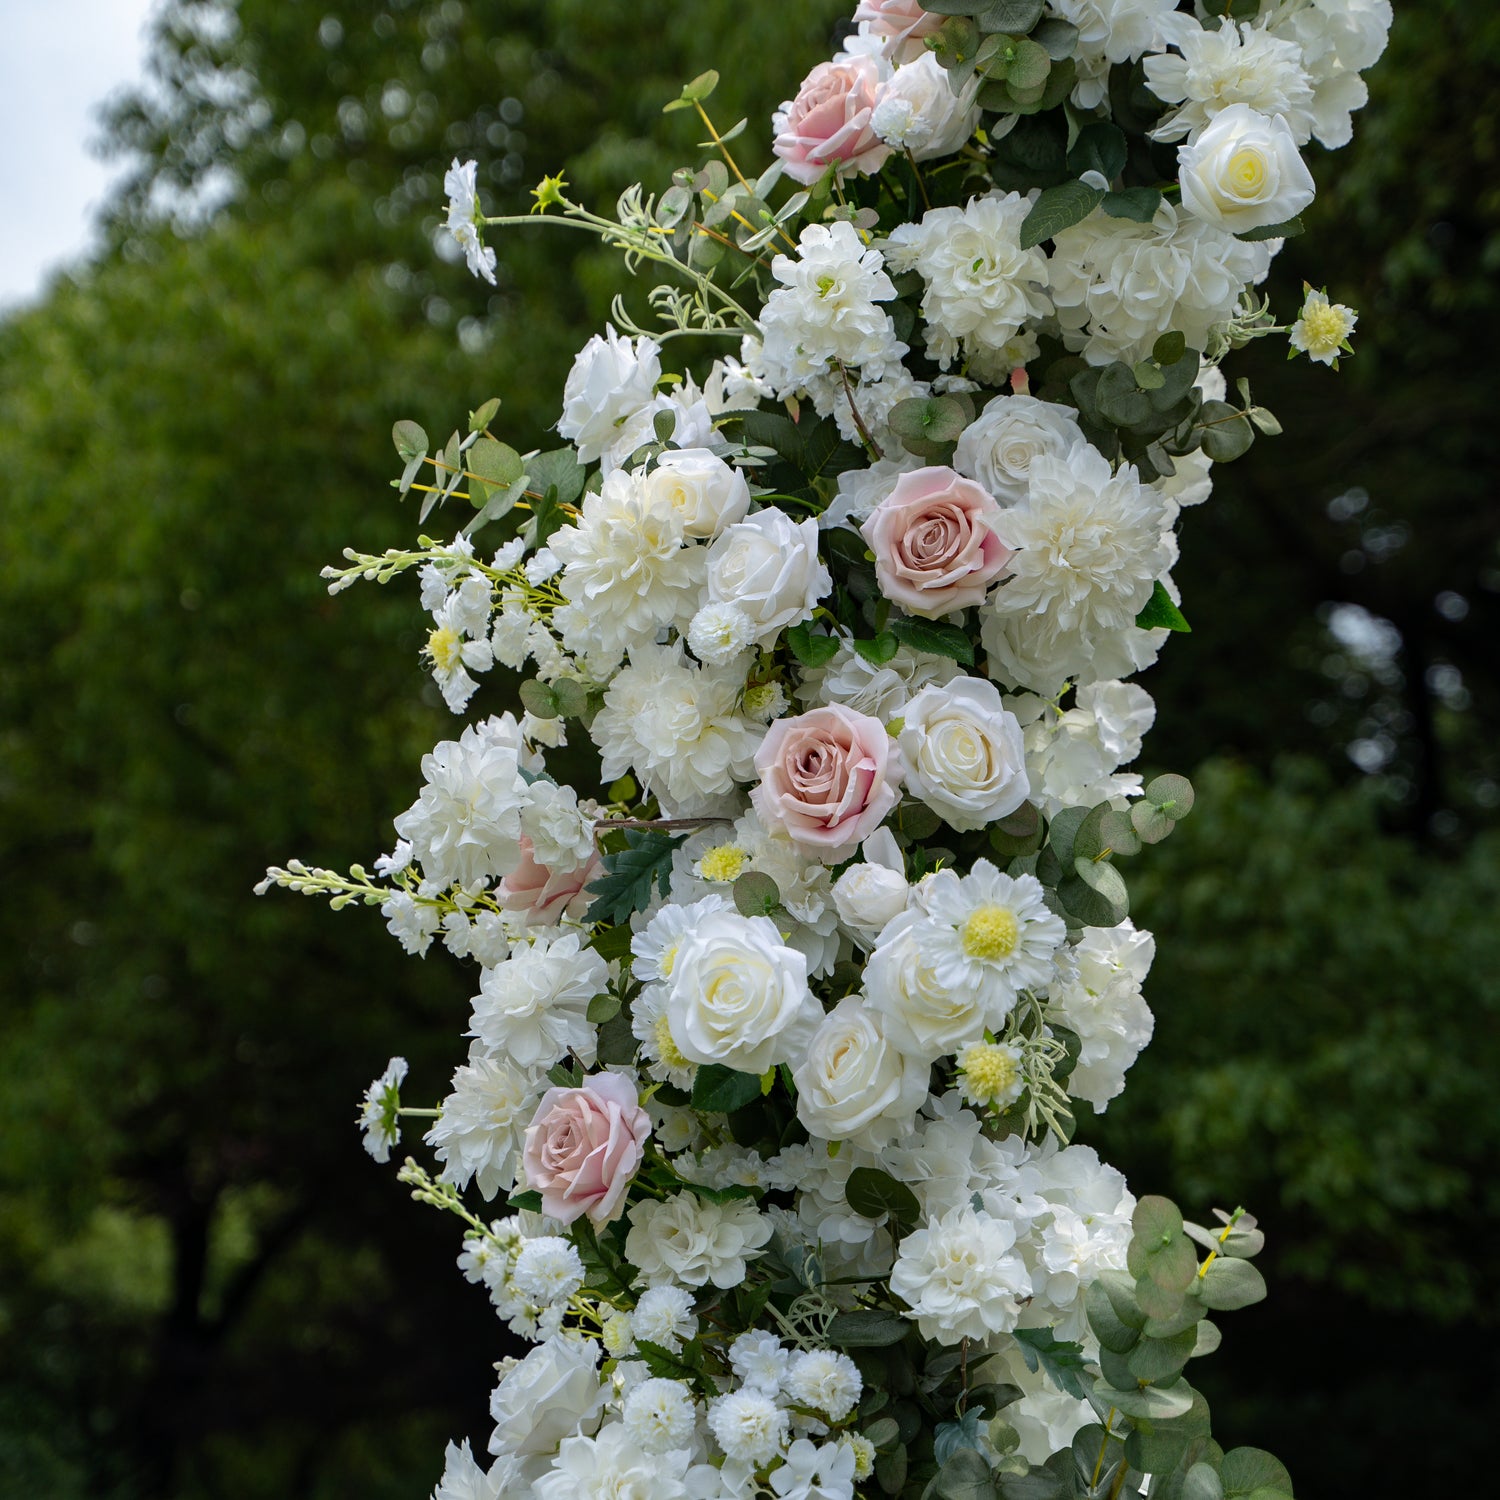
874, 1193
1228, 1284
1154, 1403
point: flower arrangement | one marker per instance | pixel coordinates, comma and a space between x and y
779, 1032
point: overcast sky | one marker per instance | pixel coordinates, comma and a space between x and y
60, 58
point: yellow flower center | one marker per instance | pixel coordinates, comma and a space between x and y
990, 932
668, 960
826, 284
445, 646
667, 1050
1324, 327
1247, 173
725, 862
990, 1073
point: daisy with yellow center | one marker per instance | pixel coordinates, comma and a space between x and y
1322, 331
990, 1074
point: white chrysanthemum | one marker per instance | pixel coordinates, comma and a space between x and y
1098, 996
882, 692
664, 1315
981, 285
461, 183
1089, 545
1323, 328
749, 1426
678, 726
999, 447
612, 379
659, 1415
665, 1061
825, 1380
961, 1277
613, 1465
990, 930
626, 570
693, 1241
654, 947
534, 1006
465, 827
379, 1119
481, 1130
1228, 64
827, 310
1073, 756
1117, 284
760, 1360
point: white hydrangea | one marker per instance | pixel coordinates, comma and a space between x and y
660, 1415
861, 490
749, 1426
1098, 996
534, 1006
1045, 1419
626, 569
614, 1464
1117, 284
664, 1315
480, 1132
826, 1380
961, 1277
465, 826
1073, 755
998, 448
693, 1241
826, 310
982, 287
1227, 64
612, 379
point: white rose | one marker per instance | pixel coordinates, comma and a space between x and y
998, 448
611, 380
768, 567
853, 1084
868, 896
706, 492
1244, 171
552, 1394
739, 996
916, 110
964, 755
925, 1018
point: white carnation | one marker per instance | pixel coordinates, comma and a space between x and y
548, 1270
719, 633
749, 1426
962, 754
664, 1315
534, 1006
999, 447
611, 380
480, 1132
826, 1380
1099, 998
961, 1277
693, 1241
659, 1415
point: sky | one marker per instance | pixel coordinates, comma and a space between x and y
60, 59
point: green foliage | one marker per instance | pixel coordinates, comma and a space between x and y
632, 873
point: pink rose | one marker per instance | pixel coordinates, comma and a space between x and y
583, 1146
935, 542
544, 895
828, 122
827, 777
903, 21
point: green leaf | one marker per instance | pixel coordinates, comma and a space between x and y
410, 440
484, 415
1057, 209
1151, 824
966, 1476
1159, 613
890, 1471
1173, 794
1063, 1362
1120, 1289
1017, 833
880, 650
934, 638
1154, 1403
1202, 1483
874, 1193
1117, 834
616, 1041
559, 470
1148, 375
1121, 401
611, 943
1015, 17
720, 1090
663, 1363
1100, 147
1225, 431
539, 699
1169, 348
867, 1328
530, 1201
1109, 1329
1059, 37
949, 1438
603, 1008
498, 464
1095, 894
1138, 204
1228, 1284
1163, 1359
811, 650
1245, 1470
1286, 230
1027, 70
630, 874
756, 894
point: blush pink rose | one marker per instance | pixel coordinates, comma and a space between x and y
827, 777
584, 1145
543, 895
904, 22
828, 123
937, 542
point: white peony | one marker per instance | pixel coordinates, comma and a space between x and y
1073, 756
481, 1129
1244, 171
854, 1085
917, 110
1110, 31
738, 995
961, 1277
534, 1007
1098, 997
882, 692
963, 755
981, 285
612, 379
767, 567
1116, 284
1339, 40
548, 1396
998, 448
1044, 656
692, 1241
